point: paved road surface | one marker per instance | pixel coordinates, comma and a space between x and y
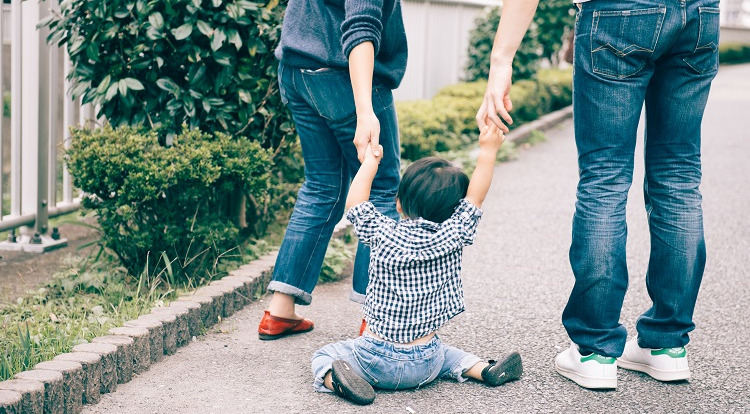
517, 279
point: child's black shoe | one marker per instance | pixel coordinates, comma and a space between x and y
347, 384
498, 373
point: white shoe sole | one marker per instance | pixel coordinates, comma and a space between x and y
587, 382
661, 375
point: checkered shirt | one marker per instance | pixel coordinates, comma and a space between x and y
415, 267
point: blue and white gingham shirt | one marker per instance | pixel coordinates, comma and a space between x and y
415, 268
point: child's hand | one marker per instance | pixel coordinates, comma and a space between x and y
491, 138
371, 157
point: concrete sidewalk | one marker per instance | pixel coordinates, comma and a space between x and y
517, 279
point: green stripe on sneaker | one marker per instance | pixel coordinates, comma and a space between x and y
670, 352
598, 358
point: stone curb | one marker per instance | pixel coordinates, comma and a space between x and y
108, 355
53, 388
32, 395
544, 122
72, 373
141, 355
10, 402
92, 373
124, 355
64, 384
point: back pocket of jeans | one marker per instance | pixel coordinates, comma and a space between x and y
622, 41
705, 57
330, 92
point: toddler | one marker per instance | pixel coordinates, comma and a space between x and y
415, 285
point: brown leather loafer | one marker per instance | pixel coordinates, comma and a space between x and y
362, 327
273, 327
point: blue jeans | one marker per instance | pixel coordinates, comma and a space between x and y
628, 52
393, 366
322, 105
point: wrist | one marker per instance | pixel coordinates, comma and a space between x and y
365, 110
487, 153
501, 59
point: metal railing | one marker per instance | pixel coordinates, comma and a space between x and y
34, 182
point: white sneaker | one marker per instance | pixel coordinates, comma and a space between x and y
665, 364
590, 371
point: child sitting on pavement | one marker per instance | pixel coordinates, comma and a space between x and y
415, 285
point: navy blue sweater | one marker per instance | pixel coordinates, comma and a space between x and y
322, 33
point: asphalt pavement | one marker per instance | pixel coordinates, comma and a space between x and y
517, 280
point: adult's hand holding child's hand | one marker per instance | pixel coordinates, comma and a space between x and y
366, 134
370, 154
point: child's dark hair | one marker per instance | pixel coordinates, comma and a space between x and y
431, 189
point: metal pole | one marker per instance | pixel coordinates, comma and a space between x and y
16, 49
2, 95
43, 144
54, 127
69, 116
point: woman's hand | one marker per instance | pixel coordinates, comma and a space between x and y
367, 133
497, 98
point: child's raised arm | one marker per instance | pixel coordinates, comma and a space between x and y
359, 192
490, 140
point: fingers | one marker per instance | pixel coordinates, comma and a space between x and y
499, 108
361, 146
377, 149
482, 116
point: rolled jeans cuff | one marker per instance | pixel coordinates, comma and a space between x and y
355, 296
464, 365
300, 296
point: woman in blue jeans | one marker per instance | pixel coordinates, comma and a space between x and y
339, 62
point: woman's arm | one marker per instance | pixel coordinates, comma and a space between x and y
514, 21
361, 64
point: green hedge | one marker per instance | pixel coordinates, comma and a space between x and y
732, 53
446, 122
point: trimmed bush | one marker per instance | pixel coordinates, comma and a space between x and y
447, 121
733, 53
153, 200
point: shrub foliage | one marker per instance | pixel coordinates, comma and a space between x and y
153, 199
543, 40
192, 84
446, 122
204, 63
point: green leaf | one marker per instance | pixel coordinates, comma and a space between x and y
156, 20
133, 84
183, 31
111, 92
235, 39
76, 46
104, 85
216, 3
204, 28
168, 85
122, 86
122, 13
218, 40
245, 96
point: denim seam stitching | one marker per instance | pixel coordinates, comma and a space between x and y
338, 198
661, 11
701, 11
312, 98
